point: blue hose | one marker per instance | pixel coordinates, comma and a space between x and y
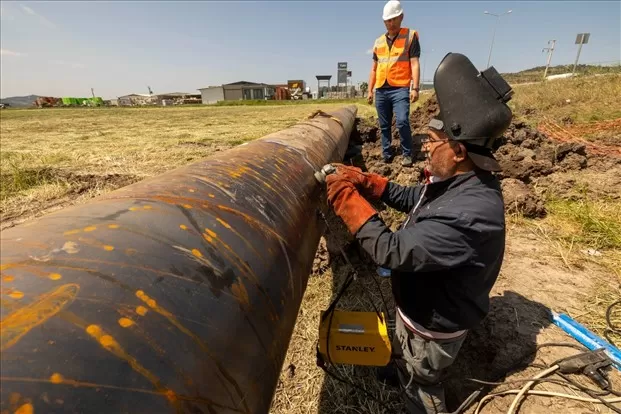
586, 337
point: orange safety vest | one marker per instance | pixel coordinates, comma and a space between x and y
393, 65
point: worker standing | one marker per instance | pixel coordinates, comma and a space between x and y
395, 76
446, 256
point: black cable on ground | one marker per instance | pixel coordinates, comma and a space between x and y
589, 393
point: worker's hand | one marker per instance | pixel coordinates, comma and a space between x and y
413, 96
348, 204
370, 98
371, 185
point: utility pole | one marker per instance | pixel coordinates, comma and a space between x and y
581, 39
550, 50
497, 16
93, 92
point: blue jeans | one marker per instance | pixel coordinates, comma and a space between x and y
395, 100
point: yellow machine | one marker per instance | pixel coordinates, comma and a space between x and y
356, 338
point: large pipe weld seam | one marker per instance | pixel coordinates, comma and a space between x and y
176, 294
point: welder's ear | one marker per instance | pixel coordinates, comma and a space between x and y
460, 151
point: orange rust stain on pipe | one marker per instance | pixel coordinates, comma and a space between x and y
17, 324
173, 320
239, 291
78, 384
252, 221
126, 322
16, 294
224, 223
25, 409
110, 344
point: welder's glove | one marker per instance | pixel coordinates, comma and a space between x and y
371, 185
347, 202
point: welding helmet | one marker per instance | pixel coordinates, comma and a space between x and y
473, 107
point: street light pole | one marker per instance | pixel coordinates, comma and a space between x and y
497, 16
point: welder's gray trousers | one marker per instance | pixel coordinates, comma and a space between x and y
421, 366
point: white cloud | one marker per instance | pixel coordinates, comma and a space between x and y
369, 52
28, 10
7, 52
44, 21
74, 65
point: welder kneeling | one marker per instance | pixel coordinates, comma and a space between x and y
446, 256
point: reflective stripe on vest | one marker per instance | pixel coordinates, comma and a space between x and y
393, 65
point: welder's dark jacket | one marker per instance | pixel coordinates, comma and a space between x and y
446, 256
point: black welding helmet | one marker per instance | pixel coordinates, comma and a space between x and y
473, 107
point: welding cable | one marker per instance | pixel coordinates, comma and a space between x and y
545, 394
526, 386
610, 328
591, 394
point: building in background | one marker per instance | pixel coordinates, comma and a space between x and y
236, 91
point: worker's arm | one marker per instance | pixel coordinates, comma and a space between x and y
400, 197
415, 68
415, 64
372, 80
436, 243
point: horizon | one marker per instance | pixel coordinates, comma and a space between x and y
120, 48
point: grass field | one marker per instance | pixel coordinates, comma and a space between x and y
49, 154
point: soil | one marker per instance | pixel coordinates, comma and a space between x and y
79, 187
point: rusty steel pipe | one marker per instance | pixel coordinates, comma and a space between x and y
175, 294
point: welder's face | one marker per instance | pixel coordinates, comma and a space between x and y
393, 25
439, 154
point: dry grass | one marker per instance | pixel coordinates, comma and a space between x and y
51, 154
584, 99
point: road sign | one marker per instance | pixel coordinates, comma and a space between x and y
342, 65
349, 73
582, 38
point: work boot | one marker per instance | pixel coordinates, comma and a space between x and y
407, 161
388, 374
388, 160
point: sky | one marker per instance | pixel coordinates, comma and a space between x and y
120, 47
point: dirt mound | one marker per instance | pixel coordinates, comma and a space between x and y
525, 153
520, 199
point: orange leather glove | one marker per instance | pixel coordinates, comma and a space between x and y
347, 202
371, 185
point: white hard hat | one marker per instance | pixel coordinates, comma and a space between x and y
392, 9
